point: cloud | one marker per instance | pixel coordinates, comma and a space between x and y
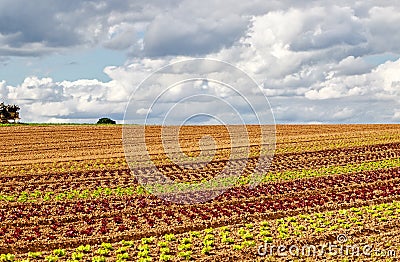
382, 82
344, 110
396, 115
183, 36
45, 26
122, 36
34, 28
308, 56
178, 27
319, 30
42, 99
34, 88
351, 66
383, 30
3, 90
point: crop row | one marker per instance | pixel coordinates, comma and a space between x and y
94, 189
112, 136
345, 141
102, 217
239, 192
140, 199
84, 163
240, 238
281, 163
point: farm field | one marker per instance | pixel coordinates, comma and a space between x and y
67, 194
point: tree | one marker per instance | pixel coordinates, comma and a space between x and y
106, 120
8, 112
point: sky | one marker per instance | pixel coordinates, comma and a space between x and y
315, 61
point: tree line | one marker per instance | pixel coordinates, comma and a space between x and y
9, 112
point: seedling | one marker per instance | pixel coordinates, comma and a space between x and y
206, 250
249, 226
7, 257
148, 240
59, 252
127, 243
165, 257
237, 247
186, 240
184, 246
103, 252
186, 254
143, 254
50, 258
143, 247
123, 249
195, 234
162, 244
82, 248
169, 237
208, 230
165, 250
248, 243
123, 256
107, 246
34, 254
77, 256
98, 259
